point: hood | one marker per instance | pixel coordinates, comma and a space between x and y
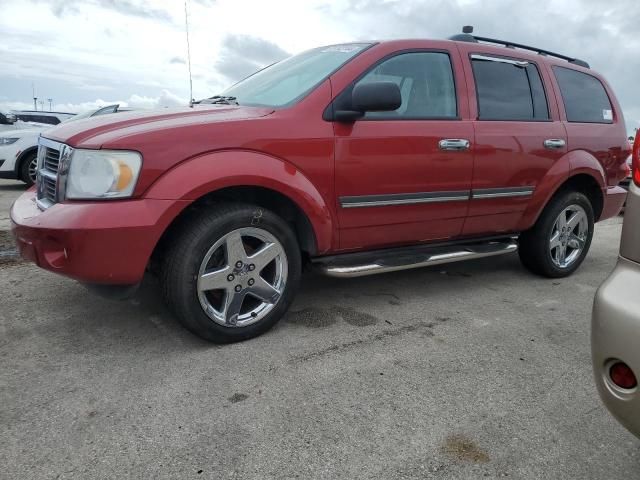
94, 132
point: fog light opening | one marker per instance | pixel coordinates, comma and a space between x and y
622, 376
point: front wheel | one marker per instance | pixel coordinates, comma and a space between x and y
232, 273
29, 168
559, 241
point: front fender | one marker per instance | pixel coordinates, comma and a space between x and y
196, 177
573, 163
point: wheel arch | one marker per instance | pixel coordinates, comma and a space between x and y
248, 177
579, 171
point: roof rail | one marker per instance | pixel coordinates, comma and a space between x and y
466, 36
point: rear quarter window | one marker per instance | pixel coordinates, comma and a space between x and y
584, 97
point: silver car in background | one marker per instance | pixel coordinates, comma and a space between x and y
615, 329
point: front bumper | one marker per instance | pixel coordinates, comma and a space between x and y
613, 201
615, 335
106, 242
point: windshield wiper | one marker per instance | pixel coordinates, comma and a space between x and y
219, 99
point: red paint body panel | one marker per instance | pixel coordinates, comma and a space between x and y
191, 152
101, 242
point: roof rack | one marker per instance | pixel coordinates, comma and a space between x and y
466, 36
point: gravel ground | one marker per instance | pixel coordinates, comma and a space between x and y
472, 370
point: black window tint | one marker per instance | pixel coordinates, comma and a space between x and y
585, 99
426, 85
509, 90
38, 119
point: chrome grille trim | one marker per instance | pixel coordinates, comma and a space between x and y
48, 179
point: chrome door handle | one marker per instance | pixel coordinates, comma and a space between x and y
454, 144
554, 143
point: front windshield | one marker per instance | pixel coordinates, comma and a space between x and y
286, 81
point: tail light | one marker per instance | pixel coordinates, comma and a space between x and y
635, 164
622, 375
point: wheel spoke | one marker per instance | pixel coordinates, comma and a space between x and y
562, 221
235, 249
555, 241
216, 280
264, 291
265, 256
575, 219
576, 242
561, 254
232, 304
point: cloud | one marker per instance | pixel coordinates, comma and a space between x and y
139, 8
178, 60
165, 99
241, 55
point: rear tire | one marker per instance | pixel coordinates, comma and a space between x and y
231, 272
28, 169
559, 241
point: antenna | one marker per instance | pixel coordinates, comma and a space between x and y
186, 23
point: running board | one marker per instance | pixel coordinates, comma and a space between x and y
382, 261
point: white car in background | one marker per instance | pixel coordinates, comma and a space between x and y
19, 148
24, 119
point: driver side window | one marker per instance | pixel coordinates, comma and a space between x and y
426, 84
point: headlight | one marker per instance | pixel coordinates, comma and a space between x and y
7, 140
95, 174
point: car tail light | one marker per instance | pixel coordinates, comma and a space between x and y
622, 376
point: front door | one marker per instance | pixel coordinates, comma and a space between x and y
404, 177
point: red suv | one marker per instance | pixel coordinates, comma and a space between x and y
357, 158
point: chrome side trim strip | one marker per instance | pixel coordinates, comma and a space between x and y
433, 197
391, 264
403, 199
502, 192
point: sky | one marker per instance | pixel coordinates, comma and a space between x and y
86, 53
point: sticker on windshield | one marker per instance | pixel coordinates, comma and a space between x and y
607, 114
342, 48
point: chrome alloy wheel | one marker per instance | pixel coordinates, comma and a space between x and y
242, 277
568, 236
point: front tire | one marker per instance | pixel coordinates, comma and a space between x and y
28, 169
231, 272
559, 241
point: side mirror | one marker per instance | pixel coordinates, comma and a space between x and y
376, 97
371, 97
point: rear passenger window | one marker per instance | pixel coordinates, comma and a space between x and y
585, 99
508, 89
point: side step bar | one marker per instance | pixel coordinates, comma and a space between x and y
382, 261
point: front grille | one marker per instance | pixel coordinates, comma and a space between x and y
51, 159
49, 154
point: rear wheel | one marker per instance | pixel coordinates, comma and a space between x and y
560, 240
232, 273
28, 169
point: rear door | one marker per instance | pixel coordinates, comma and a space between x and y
405, 176
518, 139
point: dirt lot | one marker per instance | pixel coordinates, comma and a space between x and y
466, 371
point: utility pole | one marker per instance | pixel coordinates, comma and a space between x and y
50, 101
35, 99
